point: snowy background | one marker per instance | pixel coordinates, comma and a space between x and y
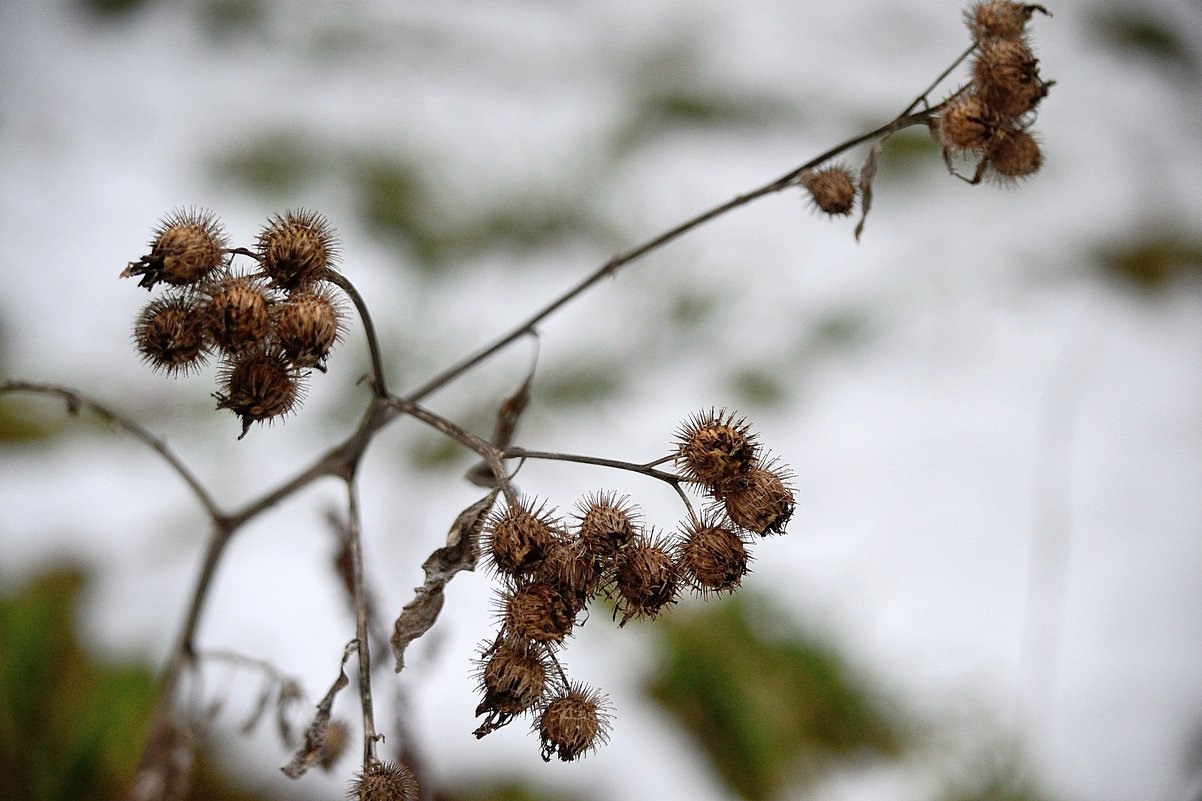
997, 442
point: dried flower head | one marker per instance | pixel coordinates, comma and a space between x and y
762, 502
713, 558
384, 781
296, 248
170, 335
259, 385
1006, 76
237, 313
308, 324
512, 676
1014, 154
538, 611
516, 538
999, 19
714, 449
832, 189
646, 579
967, 123
607, 522
187, 248
573, 723
571, 569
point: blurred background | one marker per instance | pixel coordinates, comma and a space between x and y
990, 403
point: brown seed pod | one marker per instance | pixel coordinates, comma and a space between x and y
537, 611
832, 189
259, 385
512, 676
170, 335
1006, 76
646, 579
516, 538
237, 313
308, 324
384, 781
1000, 19
714, 449
713, 558
606, 523
569, 568
762, 502
1013, 155
296, 248
967, 123
574, 723
188, 247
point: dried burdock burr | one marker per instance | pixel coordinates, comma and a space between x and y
967, 123
297, 247
512, 678
384, 781
259, 385
762, 502
999, 19
170, 335
714, 449
571, 569
538, 611
1006, 76
573, 724
713, 558
1012, 155
832, 189
308, 324
516, 537
606, 523
188, 247
237, 313
645, 578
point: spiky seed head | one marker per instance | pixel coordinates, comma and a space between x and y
606, 523
384, 781
336, 738
170, 335
517, 537
295, 248
1014, 154
762, 502
714, 449
308, 324
967, 123
187, 247
1006, 76
513, 676
237, 313
259, 385
538, 611
646, 578
832, 189
568, 567
574, 723
713, 558
999, 19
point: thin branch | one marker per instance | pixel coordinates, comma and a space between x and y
373, 341
362, 630
647, 469
77, 401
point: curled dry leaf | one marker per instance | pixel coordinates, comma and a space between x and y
315, 736
460, 553
504, 428
867, 173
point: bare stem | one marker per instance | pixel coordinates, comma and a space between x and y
362, 631
647, 469
373, 341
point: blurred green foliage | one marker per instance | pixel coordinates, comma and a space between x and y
1152, 259
771, 707
71, 728
501, 791
1138, 30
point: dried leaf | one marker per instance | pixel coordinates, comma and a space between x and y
503, 430
315, 735
460, 553
867, 173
